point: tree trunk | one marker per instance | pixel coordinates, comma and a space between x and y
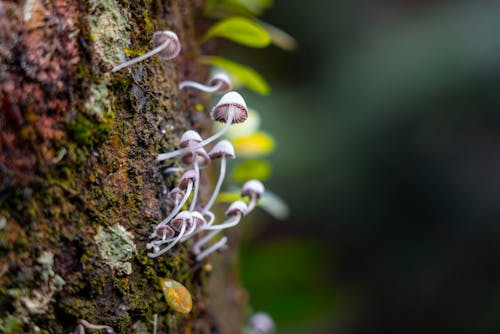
80, 190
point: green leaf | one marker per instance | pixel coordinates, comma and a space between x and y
252, 169
240, 30
244, 74
256, 144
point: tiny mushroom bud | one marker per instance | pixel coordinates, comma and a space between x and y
221, 150
261, 323
166, 45
230, 109
252, 189
219, 82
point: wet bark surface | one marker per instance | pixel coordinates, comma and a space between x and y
80, 190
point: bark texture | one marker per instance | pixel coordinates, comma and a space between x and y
80, 190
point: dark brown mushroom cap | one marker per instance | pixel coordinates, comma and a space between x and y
237, 207
198, 218
188, 137
230, 102
165, 229
222, 148
183, 217
222, 78
202, 157
188, 176
252, 188
173, 48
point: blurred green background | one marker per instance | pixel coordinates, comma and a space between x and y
387, 124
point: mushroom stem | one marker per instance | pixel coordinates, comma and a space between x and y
217, 186
196, 184
197, 246
173, 154
144, 56
252, 203
174, 170
211, 249
232, 221
174, 210
202, 87
172, 244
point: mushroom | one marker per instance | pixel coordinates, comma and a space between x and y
198, 158
230, 109
182, 221
252, 189
166, 45
186, 185
221, 150
219, 82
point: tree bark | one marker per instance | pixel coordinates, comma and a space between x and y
80, 191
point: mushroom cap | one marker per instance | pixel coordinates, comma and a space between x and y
252, 187
165, 229
230, 102
237, 207
202, 157
188, 176
183, 217
223, 78
176, 194
173, 48
198, 218
222, 148
189, 136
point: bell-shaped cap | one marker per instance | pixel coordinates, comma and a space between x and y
188, 176
165, 230
202, 157
188, 137
252, 188
222, 148
198, 218
222, 79
230, 102
173, 47
183, 217
236, 208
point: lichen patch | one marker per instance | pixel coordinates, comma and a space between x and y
116, 247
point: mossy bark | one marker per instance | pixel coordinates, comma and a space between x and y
80, 190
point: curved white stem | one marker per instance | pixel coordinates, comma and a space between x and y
217, 186
173, 154
174, 210
212, 249
174, 242
197, 246
202, 87
144, 56
174, 170
196, 184
232, 221
251, 204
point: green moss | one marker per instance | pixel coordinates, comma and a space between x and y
10, 324
86, 132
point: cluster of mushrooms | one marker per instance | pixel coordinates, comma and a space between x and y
188, 215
